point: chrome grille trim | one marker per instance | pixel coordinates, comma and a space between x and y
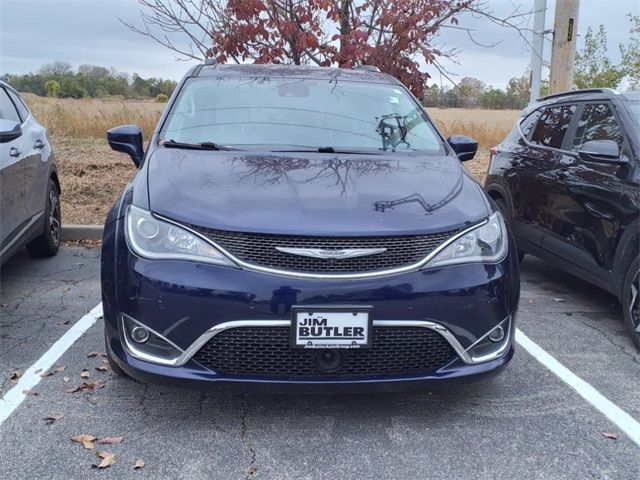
446, 239
350, 276
277, 251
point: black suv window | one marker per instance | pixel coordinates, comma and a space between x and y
7, 110
529, 122
553, 125
597, 122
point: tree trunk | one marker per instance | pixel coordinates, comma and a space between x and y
345, 27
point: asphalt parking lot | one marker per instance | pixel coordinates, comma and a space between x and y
525, 423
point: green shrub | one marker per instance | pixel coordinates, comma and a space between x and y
53, 88
161, 98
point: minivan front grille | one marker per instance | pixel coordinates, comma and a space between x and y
266, 351
260, 250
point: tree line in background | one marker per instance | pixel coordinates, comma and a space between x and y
474, 93
58, 79
594, 69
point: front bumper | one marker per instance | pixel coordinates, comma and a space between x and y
186, 301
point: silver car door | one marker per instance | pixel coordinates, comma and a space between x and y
36, 151
13, 215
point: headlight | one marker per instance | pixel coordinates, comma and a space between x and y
150, 237
486, 243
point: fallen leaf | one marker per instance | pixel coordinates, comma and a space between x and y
53, 418
79, 263
53, 370
66, 289
84, 386
15, 375
30, 392
139, 464
108, 459
103, 368
63, 322
84, 373
4, 305
96, 354
110, 440
558, 299
85, 440
530, 301
609, 435
38, 370
65, 379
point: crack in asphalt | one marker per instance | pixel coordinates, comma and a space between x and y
246, 440
143, 399
634, 357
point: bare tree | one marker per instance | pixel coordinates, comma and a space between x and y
56, 68
398, 36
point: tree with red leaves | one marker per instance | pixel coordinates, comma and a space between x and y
397, 36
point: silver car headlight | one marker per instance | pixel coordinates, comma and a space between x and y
487, 243
153, 238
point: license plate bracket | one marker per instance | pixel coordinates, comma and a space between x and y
319, 326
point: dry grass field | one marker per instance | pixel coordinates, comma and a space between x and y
92, 175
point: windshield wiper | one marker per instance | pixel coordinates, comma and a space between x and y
195, 146
329, 149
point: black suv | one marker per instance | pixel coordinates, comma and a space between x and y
567, 179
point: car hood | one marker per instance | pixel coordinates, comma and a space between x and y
314, 193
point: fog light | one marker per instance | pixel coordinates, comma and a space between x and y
497, 334
139, 334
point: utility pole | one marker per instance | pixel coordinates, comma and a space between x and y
537, 48
563, 53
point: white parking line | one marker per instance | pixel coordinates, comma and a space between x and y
619, 417
14, 397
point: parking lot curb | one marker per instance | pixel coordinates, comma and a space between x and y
82, 232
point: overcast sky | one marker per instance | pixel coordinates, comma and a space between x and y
34, 32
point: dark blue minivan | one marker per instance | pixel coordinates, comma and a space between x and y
304, 229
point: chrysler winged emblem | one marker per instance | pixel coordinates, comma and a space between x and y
331, 254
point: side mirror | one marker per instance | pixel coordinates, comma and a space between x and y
600, 151
465, 147
9, 130
127, 139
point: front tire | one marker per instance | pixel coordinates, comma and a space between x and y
47, 244
631, 301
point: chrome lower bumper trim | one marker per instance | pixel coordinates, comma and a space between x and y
464, 354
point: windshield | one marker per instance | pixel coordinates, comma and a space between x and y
299, 112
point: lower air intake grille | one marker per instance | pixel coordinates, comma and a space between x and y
266, 351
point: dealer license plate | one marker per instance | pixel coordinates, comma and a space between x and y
331, 327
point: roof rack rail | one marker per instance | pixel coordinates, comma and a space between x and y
577, 92
368, 68
211, 61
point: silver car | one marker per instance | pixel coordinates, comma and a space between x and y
29, 186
